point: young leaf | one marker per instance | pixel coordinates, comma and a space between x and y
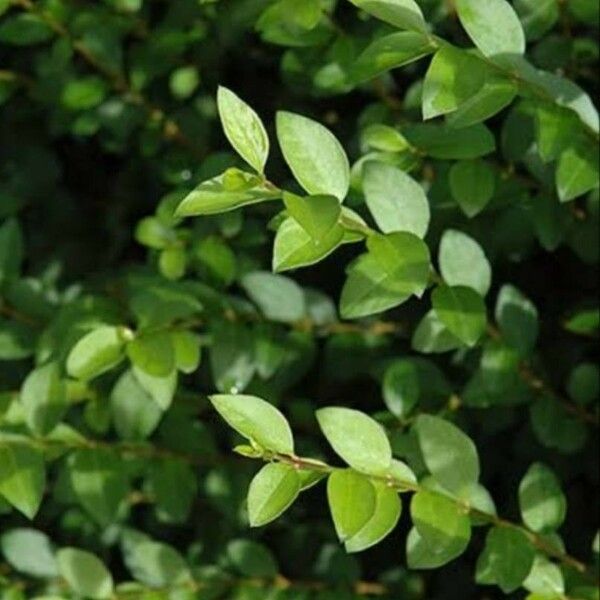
449, 454
404, 14
463, 262
472, 183
44, 397
317, 215
493, 25
396, 267
385, 518
396, 201
99, 482
542, 502
462, 311
85, 574
506, 559
279, 298
356, 438
243, 128
256, 420
22, 477
316, 158
352, 501
442, 525
96, 352
272, 491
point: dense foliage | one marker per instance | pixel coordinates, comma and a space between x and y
299, 299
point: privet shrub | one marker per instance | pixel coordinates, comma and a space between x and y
355, 242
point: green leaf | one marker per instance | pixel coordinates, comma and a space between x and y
152, 353
404, 14
506, 559
85, 574
279, 298
450, 456
542, 502
384, 138
493, 26
317, 215
443, 526
256, 420
160, 389
583, 385
44, 397
517, 317
186, 346
356, 438
135, 414
385, 518
462, 311
537, 16
432, 336
463, 262
29, 551
577, 173
243, 128
545, 579
472, 183
295, 248
401, 388
444, 142
389, 52
272, 491
96, 352
421, 555
352, 501
314, 155
396, 201
395, 267
184, 81
99, 482
22, 477
24, 29
11, 250
229, 191
84, 93
252, 559
174, 486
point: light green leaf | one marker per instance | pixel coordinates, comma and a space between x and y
272, 491
44, 397
186, 346
389, 52
352, 501
99, 482
395, 267
401, 388
577, 173
152, 353
404, 14
462, 311
357, 439
506, 560
29, 551
545, 579
542, 502
22, 477
396, 201
317, 215
472, 183
385, 518
85, 574
97, 352
279, 298
449, 454
421, 555
228, 191
442, 525
160, 389
517, 317
256, 420
295, 248
314, 155
243, 128
493, 26
463, 262
384, 138
431, 336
